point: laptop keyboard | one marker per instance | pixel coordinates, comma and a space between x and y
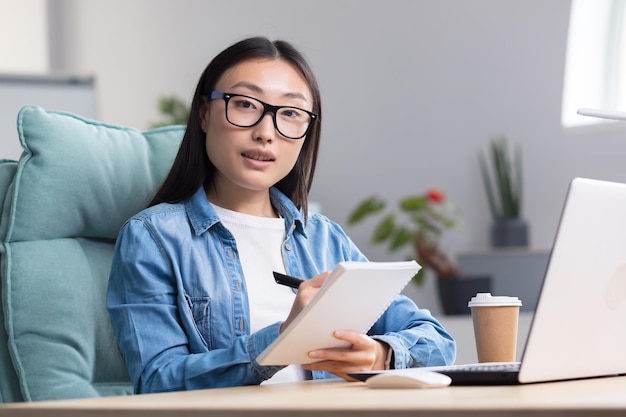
492, 373
480, 367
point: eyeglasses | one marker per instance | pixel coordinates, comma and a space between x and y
245, 111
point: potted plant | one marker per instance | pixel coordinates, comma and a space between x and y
418, 223
503, 185
174, 111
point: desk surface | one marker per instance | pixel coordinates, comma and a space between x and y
592, 397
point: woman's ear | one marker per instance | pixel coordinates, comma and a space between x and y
204, 115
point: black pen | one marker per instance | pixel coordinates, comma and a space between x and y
283, 279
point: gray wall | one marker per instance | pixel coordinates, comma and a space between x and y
412, 90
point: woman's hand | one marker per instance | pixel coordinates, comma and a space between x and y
306, 292
365, 354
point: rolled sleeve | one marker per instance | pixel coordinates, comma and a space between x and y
416, 337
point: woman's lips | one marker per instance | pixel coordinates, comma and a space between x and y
258, 156
258, 159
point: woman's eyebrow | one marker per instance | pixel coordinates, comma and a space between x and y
249, 86
255, 88
295, 95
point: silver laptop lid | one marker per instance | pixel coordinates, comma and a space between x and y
579, 326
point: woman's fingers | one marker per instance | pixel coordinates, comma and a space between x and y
362, 354
306, 292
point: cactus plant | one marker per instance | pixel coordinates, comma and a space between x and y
503, 182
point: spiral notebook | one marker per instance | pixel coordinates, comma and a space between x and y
353, 297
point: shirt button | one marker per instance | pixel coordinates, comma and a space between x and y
288, 246
238, 285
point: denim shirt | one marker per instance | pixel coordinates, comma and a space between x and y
178, 303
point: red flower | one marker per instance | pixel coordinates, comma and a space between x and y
435, 195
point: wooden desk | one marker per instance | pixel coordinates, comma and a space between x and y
593, 397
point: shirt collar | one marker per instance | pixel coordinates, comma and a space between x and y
285, 207
202, 216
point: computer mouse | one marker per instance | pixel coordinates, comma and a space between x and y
408, 378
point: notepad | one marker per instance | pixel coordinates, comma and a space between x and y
353, 297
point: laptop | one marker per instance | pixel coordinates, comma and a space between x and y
579, 326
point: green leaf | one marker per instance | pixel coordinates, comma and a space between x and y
518, 186
174, 110
365, 208
384, 229
502, 169
418, 279
414, 203
400, 238
504, 191
484, 170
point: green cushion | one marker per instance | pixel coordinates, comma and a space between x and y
58, 330
9, 388
102, 173
76, 183
7, 172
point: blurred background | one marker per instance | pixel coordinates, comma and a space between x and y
412, 90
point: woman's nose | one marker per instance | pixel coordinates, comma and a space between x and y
265, 130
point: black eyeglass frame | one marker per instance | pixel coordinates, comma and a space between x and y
267, 108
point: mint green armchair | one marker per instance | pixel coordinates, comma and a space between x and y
62, 205
9, 386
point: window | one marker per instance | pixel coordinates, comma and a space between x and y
595, 67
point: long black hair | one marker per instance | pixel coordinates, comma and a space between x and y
192, 166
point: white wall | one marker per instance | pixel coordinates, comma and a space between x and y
23, 36
412, 90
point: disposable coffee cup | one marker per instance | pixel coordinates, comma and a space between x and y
495, 321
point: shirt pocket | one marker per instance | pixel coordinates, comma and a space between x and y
201, 311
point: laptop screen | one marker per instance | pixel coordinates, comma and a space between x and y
578, 326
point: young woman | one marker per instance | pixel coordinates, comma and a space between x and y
191, 295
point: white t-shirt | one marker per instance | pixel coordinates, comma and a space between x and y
259, 242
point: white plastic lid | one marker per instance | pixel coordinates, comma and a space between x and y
485, 299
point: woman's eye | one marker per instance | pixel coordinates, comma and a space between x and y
291, 113
242, 103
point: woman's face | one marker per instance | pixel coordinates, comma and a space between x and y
254, 158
